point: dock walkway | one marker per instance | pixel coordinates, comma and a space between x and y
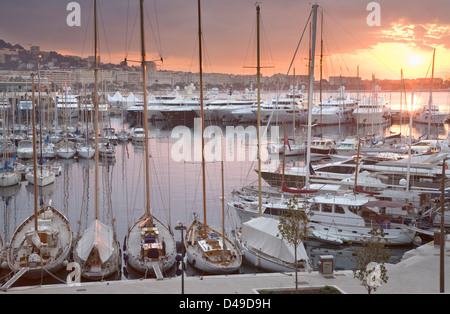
417, 273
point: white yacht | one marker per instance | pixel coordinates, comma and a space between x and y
339, 219
67, 105
336, 109
25, 149
372, 110
434, 116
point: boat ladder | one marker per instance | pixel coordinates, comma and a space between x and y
14, 278
158, 271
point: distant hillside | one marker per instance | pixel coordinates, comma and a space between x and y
15, 57
5, 45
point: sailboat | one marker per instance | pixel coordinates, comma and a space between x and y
42, 243
150, 245
430, 115
45, 175
8, 174
258, 238
97, 250
85, 149
208, 249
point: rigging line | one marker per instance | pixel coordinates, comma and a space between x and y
157, 42
206, 55
282, 87
126, 28
191, 65
157, 24
250, 44
132, 31
104, 33
333, 46
265, 43
379, 60
158, 183
87, 28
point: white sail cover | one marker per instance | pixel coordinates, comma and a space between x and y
96, 235
116, 98
261, 234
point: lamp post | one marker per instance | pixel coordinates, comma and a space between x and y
182, 227
442, 235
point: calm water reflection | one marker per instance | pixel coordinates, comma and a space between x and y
176, 187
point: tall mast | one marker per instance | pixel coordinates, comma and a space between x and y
201, 110
34, 156
258, 128
145, 118
311, 86
96, 109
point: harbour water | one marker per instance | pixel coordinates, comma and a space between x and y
176, 188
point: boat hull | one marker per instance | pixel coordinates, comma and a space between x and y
9, 179
197, 257
262, 262
20, 251
133, 249
44, 178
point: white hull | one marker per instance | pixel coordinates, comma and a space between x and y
44, 177
9, 179
55, 247
345, 227
25, 153
397, 236
371, 118
284, 149
65, 153
86, 152
435, 119
331, 117
134, 242
208, 258
262, 261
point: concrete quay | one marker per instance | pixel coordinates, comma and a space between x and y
417, 273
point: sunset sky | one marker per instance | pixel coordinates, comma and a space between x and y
405, 39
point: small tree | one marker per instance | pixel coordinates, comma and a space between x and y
370, 268
293, 227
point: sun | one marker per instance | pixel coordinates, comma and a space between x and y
414, 60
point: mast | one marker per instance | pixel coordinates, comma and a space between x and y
258, 128
145, 118
223, 213
201, 111
95, 109
311, 86
321, 73
34, 156
410, 141
431, 96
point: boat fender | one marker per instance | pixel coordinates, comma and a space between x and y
125, 257
125, 243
